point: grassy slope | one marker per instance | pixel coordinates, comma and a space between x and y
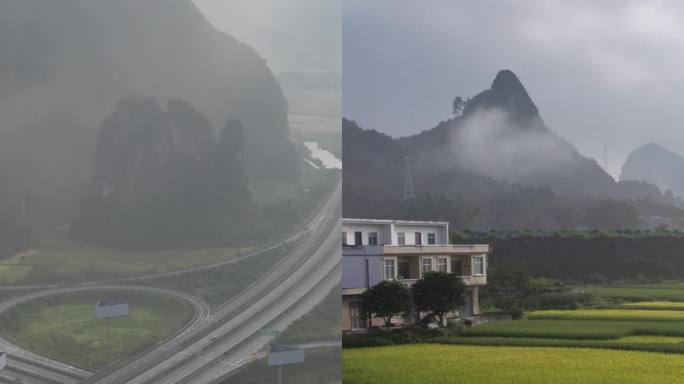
80, 263
64, 327
576, 329
657, 326
430, 364
649, 292
322, 322
615, 314
218, 285
319, 367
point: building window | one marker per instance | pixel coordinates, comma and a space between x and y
401, 238
419, 238
344, 238
372, 238
425, 265
442, 265
457, 267
358, 321
431, 238
389, 269
358, 238
478, 265
403, 270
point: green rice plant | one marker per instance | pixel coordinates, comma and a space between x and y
647, 292
617, 314
450, 364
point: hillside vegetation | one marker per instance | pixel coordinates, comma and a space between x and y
496, 165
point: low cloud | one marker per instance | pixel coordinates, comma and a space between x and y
491, 144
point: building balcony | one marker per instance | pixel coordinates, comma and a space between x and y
470, 280
435, 249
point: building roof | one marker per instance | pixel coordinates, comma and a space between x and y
392, 221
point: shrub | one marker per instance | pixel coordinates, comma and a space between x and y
438, 293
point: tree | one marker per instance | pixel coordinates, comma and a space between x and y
612, 214
386, 300
510, 287
458, 105
438, 293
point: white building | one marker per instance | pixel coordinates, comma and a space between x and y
376, 250
394, 232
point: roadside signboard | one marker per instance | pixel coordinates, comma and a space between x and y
269, 332
283, 355
3, 360
107, 309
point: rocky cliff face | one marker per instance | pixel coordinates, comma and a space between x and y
64, 64
162, 179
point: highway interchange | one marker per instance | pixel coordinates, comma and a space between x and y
215, 344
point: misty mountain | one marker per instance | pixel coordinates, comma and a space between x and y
161, 179
64, 64
502, 136
498, 161
656, 165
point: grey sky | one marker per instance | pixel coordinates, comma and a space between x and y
293, 35
606, 72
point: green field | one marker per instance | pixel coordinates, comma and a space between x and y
78, 262
576, 329
438, 364
644, 292
654, 304
626, 327
63, 327
620, 342
217, 285
321, 323
617, 314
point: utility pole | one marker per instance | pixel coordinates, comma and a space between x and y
409, 192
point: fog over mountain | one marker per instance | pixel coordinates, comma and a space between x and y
502, 136
603, 72
496, 165
656, 165
65, 64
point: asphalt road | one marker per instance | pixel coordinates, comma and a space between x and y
24, 360
231, 337
214, 345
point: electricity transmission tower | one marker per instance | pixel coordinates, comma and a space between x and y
409, 193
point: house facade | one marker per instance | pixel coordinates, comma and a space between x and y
376, 250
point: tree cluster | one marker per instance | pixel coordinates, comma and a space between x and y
435, 295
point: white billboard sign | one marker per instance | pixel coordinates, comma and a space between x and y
3, 360
109, 309
285, 356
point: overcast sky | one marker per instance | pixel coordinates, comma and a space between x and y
601, 72
293, 35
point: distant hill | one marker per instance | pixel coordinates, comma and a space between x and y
162, 180
656, 165
64, 65
494, 161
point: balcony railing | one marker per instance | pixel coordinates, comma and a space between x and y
467, 280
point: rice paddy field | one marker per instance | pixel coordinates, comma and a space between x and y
446, 364
638, 340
